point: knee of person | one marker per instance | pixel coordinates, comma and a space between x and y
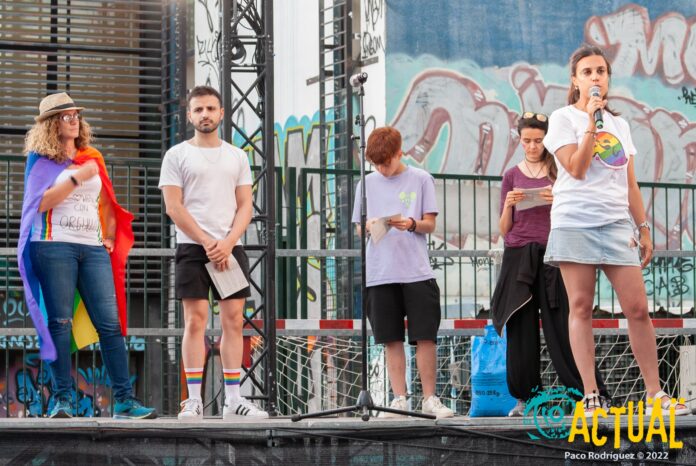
60, 323
637, 312
195, 323
581, 307
233, 323
108, 328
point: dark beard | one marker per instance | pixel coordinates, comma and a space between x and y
208, 129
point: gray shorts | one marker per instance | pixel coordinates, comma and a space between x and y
612, 244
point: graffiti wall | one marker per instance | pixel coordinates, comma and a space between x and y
26, 385
456, 87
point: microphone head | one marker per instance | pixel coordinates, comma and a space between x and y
594, 91
357, 79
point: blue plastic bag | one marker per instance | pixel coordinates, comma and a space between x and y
489, 391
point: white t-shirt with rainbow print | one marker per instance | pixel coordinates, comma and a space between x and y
602, 197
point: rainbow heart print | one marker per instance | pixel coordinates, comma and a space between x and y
608, 150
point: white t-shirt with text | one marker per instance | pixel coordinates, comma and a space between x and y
208, 178
76, 218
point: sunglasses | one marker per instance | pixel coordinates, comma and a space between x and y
70, 118
539, 116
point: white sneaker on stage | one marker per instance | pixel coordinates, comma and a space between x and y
242, 408
400, 403
191, 410
434, 406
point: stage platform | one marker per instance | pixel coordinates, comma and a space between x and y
410, 441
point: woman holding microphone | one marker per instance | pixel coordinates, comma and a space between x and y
596, 196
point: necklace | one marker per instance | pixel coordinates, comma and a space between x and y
530, 170
216, 157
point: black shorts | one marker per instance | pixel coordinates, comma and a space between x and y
419, 302
192, 280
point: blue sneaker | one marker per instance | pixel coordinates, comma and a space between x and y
61, 410
131, 408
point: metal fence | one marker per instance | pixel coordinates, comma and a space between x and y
464, 253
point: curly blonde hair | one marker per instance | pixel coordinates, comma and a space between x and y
44, 138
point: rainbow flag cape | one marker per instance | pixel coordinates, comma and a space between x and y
40, 174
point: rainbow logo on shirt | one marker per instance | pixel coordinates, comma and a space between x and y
608, 150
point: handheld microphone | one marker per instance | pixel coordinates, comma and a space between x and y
599, 123
357, 79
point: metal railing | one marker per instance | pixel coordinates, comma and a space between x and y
464, 253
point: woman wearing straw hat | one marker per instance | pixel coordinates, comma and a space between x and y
73, 244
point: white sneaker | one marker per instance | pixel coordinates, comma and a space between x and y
433, 405
191, 410
518, 410
242, 408
400, 403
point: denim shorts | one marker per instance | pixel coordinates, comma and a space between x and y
611, 244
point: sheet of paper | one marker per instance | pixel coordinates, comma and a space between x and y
227, 282
533, 198
381, 227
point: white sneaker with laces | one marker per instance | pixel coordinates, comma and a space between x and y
433, 405
518, 410
191, 410
242, 408
400, 403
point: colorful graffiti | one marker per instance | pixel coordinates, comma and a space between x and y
26, 384
456, 97
26, 389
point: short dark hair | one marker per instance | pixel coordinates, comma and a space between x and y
383, 144
200, 91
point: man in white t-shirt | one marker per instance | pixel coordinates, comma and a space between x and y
206, 184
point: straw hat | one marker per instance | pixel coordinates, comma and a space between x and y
55, 103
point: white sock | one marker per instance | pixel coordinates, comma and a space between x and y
232, 377
194, 380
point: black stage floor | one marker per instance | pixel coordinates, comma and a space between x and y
350, 441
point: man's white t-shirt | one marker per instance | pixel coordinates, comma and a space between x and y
208, 178
602, 197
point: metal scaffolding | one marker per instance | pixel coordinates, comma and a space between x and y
247, 83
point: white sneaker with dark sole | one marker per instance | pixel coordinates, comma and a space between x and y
242, 408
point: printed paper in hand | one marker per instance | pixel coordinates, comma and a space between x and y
227, 282
381, 227
533, 198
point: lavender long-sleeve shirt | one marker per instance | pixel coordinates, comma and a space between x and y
529, 225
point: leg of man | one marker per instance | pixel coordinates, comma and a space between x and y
231, 349
193, 344
426, 360
396, 366
422, 307
385, 309
231, 345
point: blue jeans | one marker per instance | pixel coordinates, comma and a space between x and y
61, 268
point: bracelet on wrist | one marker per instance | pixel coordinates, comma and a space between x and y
412, 228
74, 181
